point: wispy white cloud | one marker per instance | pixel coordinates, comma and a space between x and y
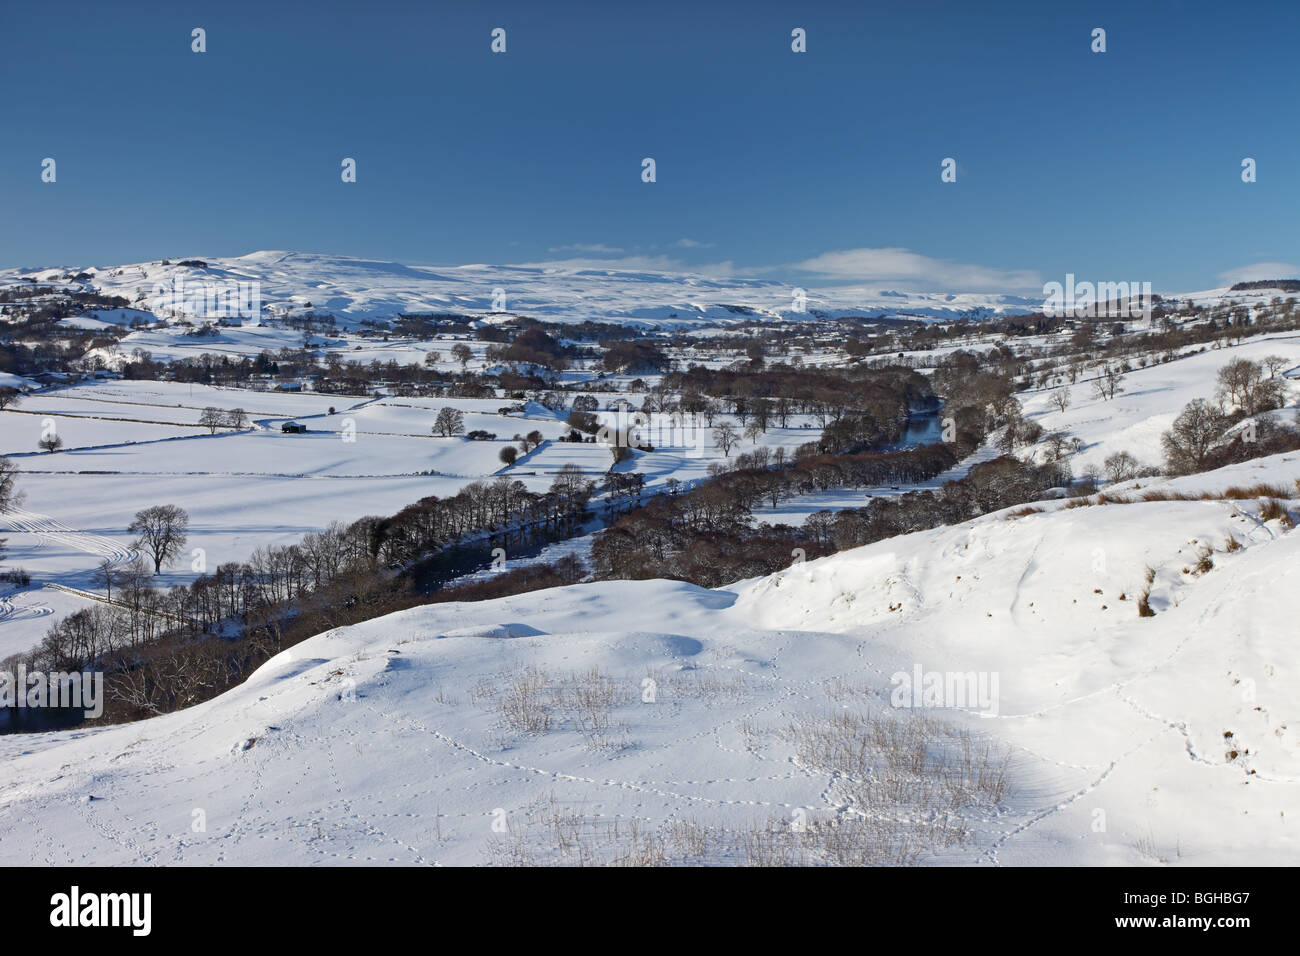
685, 243
1260, 270
901, 269
593, 247
917, 271
635, 263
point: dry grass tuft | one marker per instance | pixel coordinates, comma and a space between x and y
902, 782
1022, 512
1275, 510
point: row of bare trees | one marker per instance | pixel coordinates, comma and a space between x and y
480, 507
160, 647
706, 535
213, 418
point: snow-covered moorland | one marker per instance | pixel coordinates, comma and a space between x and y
355, 289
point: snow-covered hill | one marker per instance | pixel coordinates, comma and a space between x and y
649, 721
1151, 399
355, 289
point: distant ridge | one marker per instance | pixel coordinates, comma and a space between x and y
1284, 285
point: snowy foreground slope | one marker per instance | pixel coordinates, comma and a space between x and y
1166, 739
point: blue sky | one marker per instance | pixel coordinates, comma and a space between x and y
822, 166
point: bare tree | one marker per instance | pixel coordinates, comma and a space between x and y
450, 421
237, 418
709, 408
106, 573
1241, 382
1058, 445
725, 437
1274, 364
9, 494
571, 487
9, 396
462, 354
1061, 398
1187, 444
212, 419
161, 532
1236, 380
1108, 383
50, 443
1120, 466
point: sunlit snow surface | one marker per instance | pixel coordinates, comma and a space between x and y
382, 742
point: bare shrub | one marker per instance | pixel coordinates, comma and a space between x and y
1144, 599
1273, 509
592, 696
700, 683
550, 833
531, 701
1260, 490
525, 705
1121, 466
1022, 512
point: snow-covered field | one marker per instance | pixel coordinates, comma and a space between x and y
1129, 740
129, 445
242, 490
